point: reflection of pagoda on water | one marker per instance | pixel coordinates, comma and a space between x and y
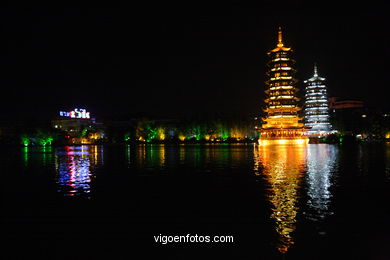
282, 123
321, 161
282, 168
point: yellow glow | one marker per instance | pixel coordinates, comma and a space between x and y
281, 87
281, 97
388, 135
278, 59
300, 141
282, 168
280, 116
141, 139
207, 137
280, 38
281, 68
182, 137
281, 106
85, 141
276, 78
161, 133
94, 136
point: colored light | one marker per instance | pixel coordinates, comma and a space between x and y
76, 113
283, 141
25, 141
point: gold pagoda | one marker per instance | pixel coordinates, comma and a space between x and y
282, 124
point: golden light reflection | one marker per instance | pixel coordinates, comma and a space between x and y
161, 155
387, 172
141, 154
282, 166
151, 155
94, 153
283, 141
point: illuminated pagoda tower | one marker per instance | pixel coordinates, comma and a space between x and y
282, 122
316, 106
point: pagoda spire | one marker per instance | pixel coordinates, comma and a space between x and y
280, 37
315, 70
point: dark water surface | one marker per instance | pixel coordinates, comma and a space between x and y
279, 202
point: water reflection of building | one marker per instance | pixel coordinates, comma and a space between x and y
41, 155
321, 161
74, 167
151, 155
162, 156
282, 166
387, 170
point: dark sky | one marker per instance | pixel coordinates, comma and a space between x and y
182, 60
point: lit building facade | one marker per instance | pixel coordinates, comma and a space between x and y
282, 124
316, 106
79, 126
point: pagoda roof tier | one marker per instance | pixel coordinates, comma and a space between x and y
300, 127
291, 80
283, 117
314, 79
270, 72
282, 98
280, 48
315, 76
276, 117
275, 88
286, 68
280, 60
267, 91
290, 122
281, 109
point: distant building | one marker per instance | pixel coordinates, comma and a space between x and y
72, 125
349, 116
335, 103
316, 106
79, 126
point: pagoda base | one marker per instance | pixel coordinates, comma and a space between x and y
283, 136
283, 140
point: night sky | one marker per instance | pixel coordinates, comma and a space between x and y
189, 60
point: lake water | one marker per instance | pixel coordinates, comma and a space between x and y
278, 202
